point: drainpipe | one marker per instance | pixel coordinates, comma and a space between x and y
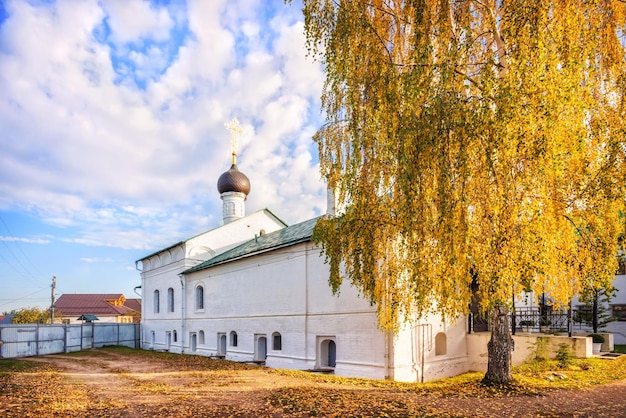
182, 313
306, 305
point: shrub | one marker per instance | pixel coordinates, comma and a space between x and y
564, 355
539, 350
527, 323
597, 338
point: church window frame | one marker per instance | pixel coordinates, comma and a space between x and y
277, 341
199, 298
441, 344
157, 301
170, 299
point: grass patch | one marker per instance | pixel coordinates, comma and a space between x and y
9, 365
620, 348
530, 378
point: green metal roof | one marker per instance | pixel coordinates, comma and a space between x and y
88, 317
285, 237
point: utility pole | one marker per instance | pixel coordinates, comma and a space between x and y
54, 285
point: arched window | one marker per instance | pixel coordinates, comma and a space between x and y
201, 337
157, 301
170, 300
174, 336
441, 343
199, 297
233, 339
277, 341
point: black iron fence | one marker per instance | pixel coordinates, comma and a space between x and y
536, 319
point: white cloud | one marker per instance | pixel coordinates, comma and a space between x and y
132, 20
97, 259
85, 146
26, 240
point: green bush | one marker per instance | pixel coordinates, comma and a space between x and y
539, 350
597, 338
564, 355
620, 348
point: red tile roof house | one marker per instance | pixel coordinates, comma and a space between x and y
107, 307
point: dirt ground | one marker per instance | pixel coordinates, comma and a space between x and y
110, 383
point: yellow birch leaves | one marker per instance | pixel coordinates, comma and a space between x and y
471, 139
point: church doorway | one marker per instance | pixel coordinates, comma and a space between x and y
221, 344
260, 348
327, 350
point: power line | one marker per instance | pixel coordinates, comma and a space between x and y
22, 298
29, 274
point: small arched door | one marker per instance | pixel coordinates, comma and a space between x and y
332, 353
328, 353
261, 349
222, 345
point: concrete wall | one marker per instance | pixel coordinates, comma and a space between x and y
477, 348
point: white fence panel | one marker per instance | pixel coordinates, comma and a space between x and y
51, 339
34, 339
18, 341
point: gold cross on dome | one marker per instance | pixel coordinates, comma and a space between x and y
235, 132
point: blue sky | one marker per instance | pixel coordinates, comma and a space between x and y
112, 132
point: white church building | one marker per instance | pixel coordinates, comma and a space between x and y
256, 290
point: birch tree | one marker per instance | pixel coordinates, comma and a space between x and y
470, 139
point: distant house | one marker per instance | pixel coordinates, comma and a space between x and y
106, 307
6, 319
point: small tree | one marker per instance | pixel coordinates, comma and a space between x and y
564, 355
596, 313
32, 315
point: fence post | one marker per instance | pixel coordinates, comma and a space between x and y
36, 339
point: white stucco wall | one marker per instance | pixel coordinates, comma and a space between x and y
286, 291
420, 355
160, 272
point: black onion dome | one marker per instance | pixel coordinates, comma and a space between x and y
233, 181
